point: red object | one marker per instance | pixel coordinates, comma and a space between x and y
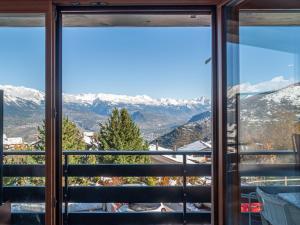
115, 206
254, 207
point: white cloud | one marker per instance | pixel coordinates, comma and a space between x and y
271, 85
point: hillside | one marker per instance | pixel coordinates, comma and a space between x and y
194, 130
24, 110
268, 119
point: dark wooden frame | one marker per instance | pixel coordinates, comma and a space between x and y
150, 10
48, 9
220, 207
53, 171
1, 144
221, 162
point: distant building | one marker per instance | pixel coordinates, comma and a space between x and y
153, 147
196, 146
13, 142
88, 138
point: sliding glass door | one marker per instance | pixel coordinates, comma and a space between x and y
263, 113
136, 117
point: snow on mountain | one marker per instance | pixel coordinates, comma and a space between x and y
154, 116
135, 100
290, 94
13, 94
16, 94
276, 83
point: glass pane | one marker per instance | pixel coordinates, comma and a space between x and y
137, 83
22, 104
263, 109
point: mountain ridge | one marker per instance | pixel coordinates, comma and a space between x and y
30, 94
26, 106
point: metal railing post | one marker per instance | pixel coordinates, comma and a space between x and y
66, 188
1, 145
184, 188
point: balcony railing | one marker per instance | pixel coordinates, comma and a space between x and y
130, 194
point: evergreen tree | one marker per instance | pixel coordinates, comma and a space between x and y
121, 133
72, 138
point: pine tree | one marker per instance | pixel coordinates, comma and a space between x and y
121, 133
72, 138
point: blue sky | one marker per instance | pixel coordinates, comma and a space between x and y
271, 53
159, 62
22, 57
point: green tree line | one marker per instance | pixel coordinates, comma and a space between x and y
118, 133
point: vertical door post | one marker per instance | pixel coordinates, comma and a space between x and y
1, 145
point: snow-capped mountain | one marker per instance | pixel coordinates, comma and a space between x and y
267, 118
154, 116
291, 94
25, 107
260, 114
276, 83
265, 106
14, 94
137, 100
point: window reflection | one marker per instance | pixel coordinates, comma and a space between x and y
263, 114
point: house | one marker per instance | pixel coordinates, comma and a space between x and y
195, 146
88, 137
12, 142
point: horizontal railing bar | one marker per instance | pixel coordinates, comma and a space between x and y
138, 194
248, 189
110, 218
111, 170
24, 194
27, 218
101, 152
23, 170
114, 152
267, 152
138, 218
31, 194
16, 152
124, 170
138, 170
269, 169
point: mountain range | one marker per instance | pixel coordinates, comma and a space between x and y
197, 128
170, 121
266, 118
24, 110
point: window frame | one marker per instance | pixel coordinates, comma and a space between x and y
46, 8
52, 9
156, 10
